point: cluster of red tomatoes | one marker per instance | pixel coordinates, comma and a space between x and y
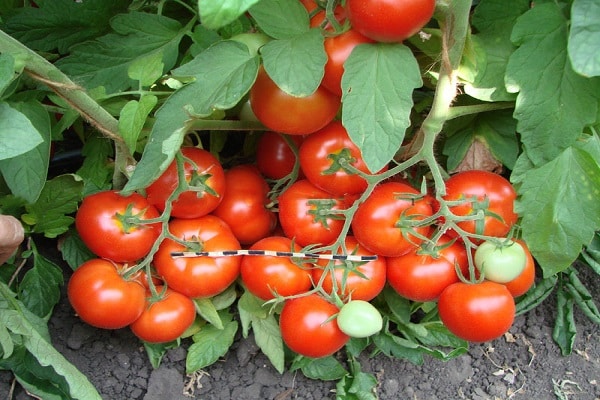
335, 205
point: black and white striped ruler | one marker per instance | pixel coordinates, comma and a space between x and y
343, 257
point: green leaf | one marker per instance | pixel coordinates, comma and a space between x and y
207, 310
324, 368
250, 307
439, 336
106, 60
215, 14
296, 64
357, 385
494, 22
395, 346
6, 342
559, 206
554, 103
497, 130
74, 251
40, 288
377, 87
7, 71
223, 75
133, 117
96, 170
50, 214
156, 351
147, 69
210, 344
565, 329
536, 295
25, 174
584, 37
59, 24
18, 135
225, 299
582, 297
399, 306
268, 338
281, 19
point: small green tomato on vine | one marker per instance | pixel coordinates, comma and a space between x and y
359, 319
500, 261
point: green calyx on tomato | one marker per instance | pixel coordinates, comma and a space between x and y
359, 319
500, 261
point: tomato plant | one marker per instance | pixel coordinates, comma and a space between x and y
165, 318
387, 223
307, 326
198, 276
113, 227
359, 282
246, 199
205, 177
500, 262
325, 156
102, 297
359, 319
268, 276
389, 21
282, 112
477, 312
423, 273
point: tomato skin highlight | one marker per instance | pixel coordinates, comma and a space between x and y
190, 204
99, 227
423, 277
389, 20
263, 275
304, 328
315, 161
365, 283
282, 112
483, 185
522, 283
477, 312
198, 277
338, 49
164, 319
246, 199
375, 222
102, 298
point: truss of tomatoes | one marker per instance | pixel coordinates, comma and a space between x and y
422, 257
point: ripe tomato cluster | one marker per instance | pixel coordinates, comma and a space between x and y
454, 249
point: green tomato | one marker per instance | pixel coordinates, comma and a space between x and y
254, 41
359, 319
500, 262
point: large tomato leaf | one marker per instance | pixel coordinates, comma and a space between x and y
60, 24
216, 14
106, 60
281, 19
558, 203
221, 75
554, 103
377, 87
296, 64
26, 173
17, 133
211, 343
494, 22
267, 336
584, 37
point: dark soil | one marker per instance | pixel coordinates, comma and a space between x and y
524, 364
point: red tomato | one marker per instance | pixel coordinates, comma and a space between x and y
204, 171
244, 205
166, 318
274, 157
521, 284
317, 159
301, 218
282, 112
198, 276
102, 297
338, 49
389, 20
495, 196
422, 276
102, 225
477, 312
382, 224
265, 275
308, 329
360, 282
